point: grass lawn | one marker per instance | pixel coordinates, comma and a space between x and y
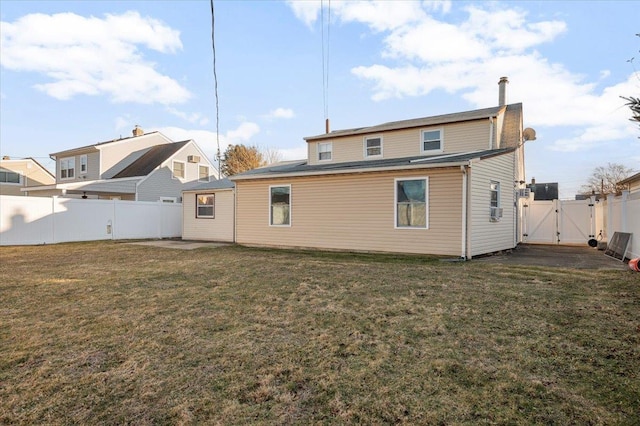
112, 333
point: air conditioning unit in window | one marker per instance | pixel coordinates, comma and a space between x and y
524, 192
496, 214
193, 158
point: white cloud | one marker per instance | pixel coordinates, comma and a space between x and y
285, 113
207, 140
306, 11
193, 117
93, 56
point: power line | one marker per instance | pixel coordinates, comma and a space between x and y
215, 84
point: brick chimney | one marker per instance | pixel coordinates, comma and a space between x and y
137, 131
502, 91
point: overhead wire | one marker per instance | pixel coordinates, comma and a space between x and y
215, 84
325, 58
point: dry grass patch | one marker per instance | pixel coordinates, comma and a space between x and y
112, 333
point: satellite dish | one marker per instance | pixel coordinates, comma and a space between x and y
529, 134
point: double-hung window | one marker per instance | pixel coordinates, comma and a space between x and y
324, 151
203, 173
412, 203
83, 164
495, 212
205, 206
373, 147
431, 141
280, 205
7, 176
67, 168
178, 170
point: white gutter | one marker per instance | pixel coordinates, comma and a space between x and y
490, 132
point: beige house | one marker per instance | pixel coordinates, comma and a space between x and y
446, 185
142, 167
18, 175
632, 184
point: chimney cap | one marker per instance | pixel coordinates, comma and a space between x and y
137, 131
6, 157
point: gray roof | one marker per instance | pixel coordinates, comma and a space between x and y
151, 159
477, 114
100, 143
426, 161
212, 185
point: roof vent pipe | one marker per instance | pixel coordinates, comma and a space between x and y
502, 91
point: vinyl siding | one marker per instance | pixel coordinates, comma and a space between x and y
457, 137
160, 182
353, 212
218, 229
116, 156
29, 176
487, 236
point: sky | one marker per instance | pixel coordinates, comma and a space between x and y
82, 72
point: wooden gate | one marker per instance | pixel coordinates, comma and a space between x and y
558, 222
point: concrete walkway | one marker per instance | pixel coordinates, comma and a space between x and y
578, 257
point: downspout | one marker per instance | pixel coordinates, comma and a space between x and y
465, 184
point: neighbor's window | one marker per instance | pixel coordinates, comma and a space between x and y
431, 140
205, 206
7, 176
495, 194
178, 170
324, 151
203, 173
83, 164
280, 205
67, 168
411, 203
373, 147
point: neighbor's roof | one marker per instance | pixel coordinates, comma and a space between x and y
213, 185
477, 114
151, 159
630, 179
103, 143
302, 168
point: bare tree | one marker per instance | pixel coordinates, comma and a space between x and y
240, 158
271, 155
604, 179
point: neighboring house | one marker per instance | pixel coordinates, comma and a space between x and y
544, 191
445, 185
143, 167
208, 211
17, 176
632, 184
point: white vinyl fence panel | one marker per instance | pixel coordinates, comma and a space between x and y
43, 220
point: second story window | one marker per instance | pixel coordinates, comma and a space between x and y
324, 151
431, 141
83, 164
203, 173
178, 170
67, 168
373, 147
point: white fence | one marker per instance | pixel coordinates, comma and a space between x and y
575, 222
44, 220
622, 214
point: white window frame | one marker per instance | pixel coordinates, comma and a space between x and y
366, 148
198, 205
14, 173
422, 141
70, 161
84, 161
208, 173
492, 217
173, 170
283, 225
330, 150
395, 202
